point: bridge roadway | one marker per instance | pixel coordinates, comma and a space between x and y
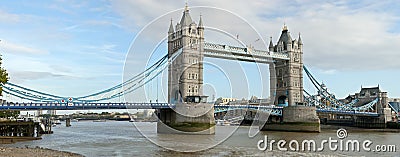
274, 110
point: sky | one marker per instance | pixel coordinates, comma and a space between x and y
74, 48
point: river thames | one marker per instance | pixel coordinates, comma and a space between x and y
121, 138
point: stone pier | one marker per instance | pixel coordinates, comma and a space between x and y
187, 119
296, 118
68, 122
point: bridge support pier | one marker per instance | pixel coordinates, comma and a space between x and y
386, 114
68, 122
296, 118
187, 119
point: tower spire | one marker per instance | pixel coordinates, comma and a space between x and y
284, 28
171, 27
201, 22
271, 45
186, 6
299, 41
270, 42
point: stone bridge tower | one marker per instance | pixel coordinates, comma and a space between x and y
185, 74
289, 73
190, 115
289, 87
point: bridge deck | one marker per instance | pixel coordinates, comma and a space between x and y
275, 110
241, 53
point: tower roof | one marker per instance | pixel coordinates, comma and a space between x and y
285, 36
186, 20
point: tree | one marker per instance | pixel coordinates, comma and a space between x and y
3, 75
218, 101
3, 80
9, 113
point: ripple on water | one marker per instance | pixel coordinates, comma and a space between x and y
114, 138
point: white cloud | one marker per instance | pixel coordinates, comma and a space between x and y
21, 76
9, 17
107, 52
329, 72
337, 35
14, 48
91, 23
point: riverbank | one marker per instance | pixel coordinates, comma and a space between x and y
22, 152
14, 139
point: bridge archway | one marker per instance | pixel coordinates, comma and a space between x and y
282, 100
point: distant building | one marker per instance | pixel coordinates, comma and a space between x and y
38, 112
366, 95
227, 100
51, 112
394, 99
1, 100
256, 101
233, 101
148, 113
320, 97
239, 102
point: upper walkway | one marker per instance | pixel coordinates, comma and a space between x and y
242, 53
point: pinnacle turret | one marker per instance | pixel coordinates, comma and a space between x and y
201, 23
171, 28
271, 45
299, 41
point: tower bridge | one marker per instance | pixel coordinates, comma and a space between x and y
187, 109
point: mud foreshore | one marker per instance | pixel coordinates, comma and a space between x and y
36, 152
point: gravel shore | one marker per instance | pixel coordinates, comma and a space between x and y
34, 152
